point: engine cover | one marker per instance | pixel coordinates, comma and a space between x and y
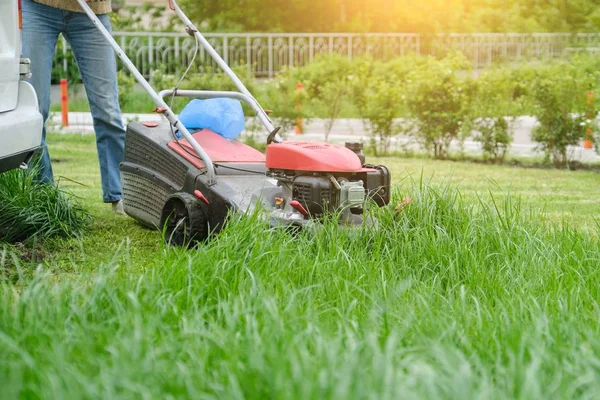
311, 157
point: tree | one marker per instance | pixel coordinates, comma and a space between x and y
426, 16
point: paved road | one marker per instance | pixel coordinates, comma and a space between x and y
348, 130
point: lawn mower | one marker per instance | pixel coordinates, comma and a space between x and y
187, 183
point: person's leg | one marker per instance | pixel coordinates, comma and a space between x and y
41, 26
97, 64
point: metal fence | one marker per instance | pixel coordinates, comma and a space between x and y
266, 54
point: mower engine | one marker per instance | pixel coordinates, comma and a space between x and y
320, 178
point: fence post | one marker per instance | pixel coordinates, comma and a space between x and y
270, 53
248, 55
350, 47
150, 56
291, 51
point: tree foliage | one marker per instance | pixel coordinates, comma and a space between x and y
560, 106
427, 16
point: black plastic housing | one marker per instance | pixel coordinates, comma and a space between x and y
377, 184
315, 193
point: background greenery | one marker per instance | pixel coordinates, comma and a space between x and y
433, 102
427, 16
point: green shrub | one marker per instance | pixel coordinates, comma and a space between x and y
589, 66
559, 98
202, 78
381, 107
28, 209
495, 135
326, 82
288, 105
71, 74
378, 92
126, 89
493, 110
439, 102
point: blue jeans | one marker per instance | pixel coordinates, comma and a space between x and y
97, 65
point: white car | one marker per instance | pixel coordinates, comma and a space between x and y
20, 119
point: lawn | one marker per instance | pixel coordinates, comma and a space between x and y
471, 292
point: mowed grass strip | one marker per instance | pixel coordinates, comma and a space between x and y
453, 297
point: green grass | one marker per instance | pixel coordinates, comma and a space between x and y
457, 297
33, 211
562, 195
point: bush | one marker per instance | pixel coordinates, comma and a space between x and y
495, 135
495, 103
439, 102
559, 98
326, 82
380, 109
378, 90
287, 103
202, 78
31, 210
71, 74
589, 66
126, 83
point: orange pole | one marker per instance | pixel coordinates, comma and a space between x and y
299, 128
64, 101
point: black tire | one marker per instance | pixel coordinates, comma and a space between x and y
184, 220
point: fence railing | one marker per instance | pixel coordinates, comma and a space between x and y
266, 54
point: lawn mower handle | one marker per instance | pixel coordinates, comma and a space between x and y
168, 113
193, 31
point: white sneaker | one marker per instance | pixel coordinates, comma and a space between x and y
117, 207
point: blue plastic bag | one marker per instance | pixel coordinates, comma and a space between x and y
223, 116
